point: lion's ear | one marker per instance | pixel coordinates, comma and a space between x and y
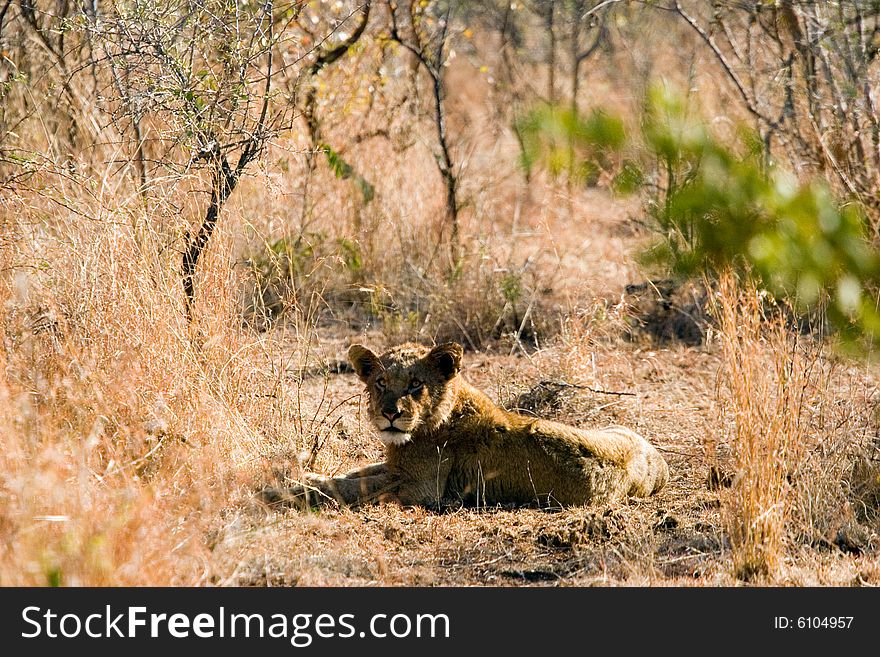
363, 360
446, 358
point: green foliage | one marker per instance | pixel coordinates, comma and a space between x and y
629, 180
727, 210
340, 168
283, 267
393, 318
718, 206
511, 287
345, 171
351, 254
298, 269
289, 258
54, 576
563, 141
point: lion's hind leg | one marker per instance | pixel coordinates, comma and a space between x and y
648, 471
645, 468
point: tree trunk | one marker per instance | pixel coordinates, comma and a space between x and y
224, 182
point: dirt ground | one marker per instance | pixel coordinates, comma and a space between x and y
664, 390
674, 538
137, 425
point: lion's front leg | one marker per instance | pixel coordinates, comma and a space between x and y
316, 490
367, 471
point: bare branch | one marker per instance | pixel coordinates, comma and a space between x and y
731, 73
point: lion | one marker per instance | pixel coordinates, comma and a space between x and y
446, 442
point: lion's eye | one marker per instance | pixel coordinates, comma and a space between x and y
380, 383
415, 385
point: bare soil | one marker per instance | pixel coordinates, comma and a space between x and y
666, 391
630, 351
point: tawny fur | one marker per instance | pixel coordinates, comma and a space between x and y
446, 442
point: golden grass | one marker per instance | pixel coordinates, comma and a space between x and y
124, 438
766, 437
132, 441
801, 423
132, 438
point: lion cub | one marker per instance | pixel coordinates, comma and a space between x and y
445, 441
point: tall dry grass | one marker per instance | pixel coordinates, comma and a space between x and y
128, 434
765, 438
801, 427
132, 437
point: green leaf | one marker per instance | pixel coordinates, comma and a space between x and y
344, 171
629, 180
340, 168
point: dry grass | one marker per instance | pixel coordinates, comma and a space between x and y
764, 386
132, 441
799, 432
130, 430
135, 438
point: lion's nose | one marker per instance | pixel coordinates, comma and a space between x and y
391, 415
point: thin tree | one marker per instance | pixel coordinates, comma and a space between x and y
209, 71
423, 30
309, 107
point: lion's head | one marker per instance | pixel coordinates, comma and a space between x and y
408, 387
